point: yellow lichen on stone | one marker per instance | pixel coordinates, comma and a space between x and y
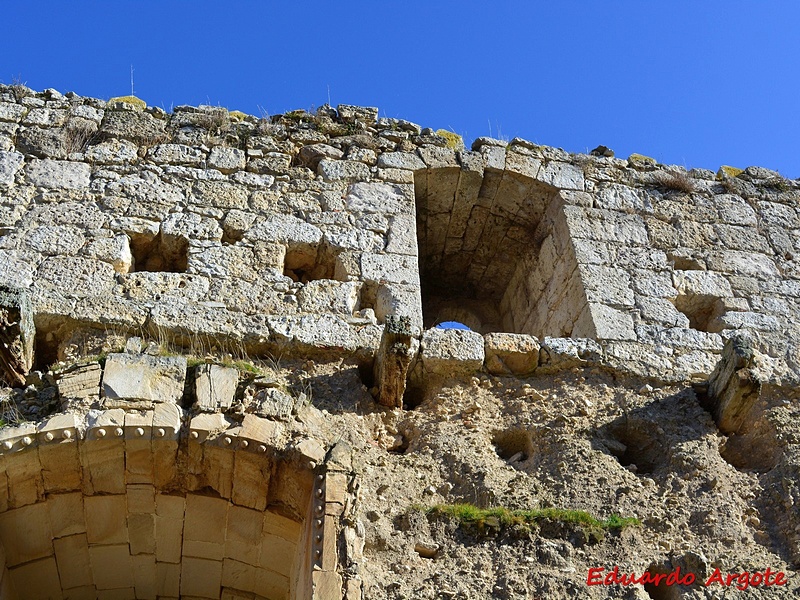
728, 171
132, 100
237, 115
454, 140
641, 159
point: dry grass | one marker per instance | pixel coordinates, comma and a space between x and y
678, 181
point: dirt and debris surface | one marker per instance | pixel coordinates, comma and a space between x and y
580, 440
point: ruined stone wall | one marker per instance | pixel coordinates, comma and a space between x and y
341, 237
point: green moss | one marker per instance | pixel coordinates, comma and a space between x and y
237, 115
471, 514
133, 100
727, 171
454, 140
641, 158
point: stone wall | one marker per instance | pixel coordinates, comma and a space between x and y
335, 236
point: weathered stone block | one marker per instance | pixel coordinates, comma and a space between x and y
735, 385
215, 387
451, 351
144, 378
57, 174
511, 353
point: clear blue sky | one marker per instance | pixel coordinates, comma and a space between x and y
699, 83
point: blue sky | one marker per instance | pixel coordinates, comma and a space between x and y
699, 83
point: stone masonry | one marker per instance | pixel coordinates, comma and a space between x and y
332, 235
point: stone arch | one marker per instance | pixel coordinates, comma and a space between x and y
139, 504
494, 242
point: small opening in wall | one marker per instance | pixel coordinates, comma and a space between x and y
453, 325
635, 447
305, 263
513, 445
160, 253
662, 591
702, 311
45, 350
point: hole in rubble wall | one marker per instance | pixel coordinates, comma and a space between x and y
662, 591
702, 311
414, 396
160, 253
633, 445
513, 445
303, 263
45, 349
756, 451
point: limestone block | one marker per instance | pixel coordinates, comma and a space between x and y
273, 403
112, 152
562, 175
323, 331
284, 228
606, 285
10, 163
750, 264
251, 480
221, 194
701, 283
201, 578
14, 271
58, 174
137, 126
66, 514
605, 323
145, 576
37, 579
10, 111
72, 559
390, 268
661, 311
103, 465
142, 533
23, 473
106, 519
243, 536
259, 431
343, 170
215, 387
511, 353
146, 378
605, 226
111, 566
400, 160
402, 235
166, 422
115, 250
204, 529
226, 159
76, 276
169, 528
27, 533
564, 353
367, 115
191, 225
45, 117
59, 458
399, 301
326, 584
328, 296
383, 198
80, 381
168, 580
312, 154
141, 499
451, 351
748, 320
